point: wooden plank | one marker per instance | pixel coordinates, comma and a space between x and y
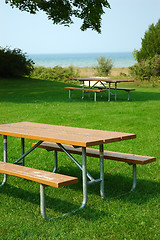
61, 134
84, 89
124, 89
129, 158
102, 79
117, 156
46, 178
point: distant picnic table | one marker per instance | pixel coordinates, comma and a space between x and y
100, 84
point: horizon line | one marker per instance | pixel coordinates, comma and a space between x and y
84, 52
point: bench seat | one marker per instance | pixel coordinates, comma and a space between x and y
40, 176
84, 90
131, 159
124, 89
113, 88
90, 152
43, 177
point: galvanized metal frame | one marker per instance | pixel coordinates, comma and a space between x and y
74, 160
85, 174
93, 180
5, 158
128, 95
55, 162
22, 150
83, 168
26, 153
134, 177
101, 153
69, 93
84, 177
109, 88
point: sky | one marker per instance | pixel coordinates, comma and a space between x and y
123, 26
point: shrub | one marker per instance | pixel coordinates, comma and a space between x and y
145, 69
104, 66
57, 73
14, 63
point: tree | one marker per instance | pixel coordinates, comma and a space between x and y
14, 63
148, 57
62, 11
150, 43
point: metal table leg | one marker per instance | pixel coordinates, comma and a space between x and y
55, 161
101, 153
84, 177
85, 174
109, 92
134, 177
5, 158
69, 93
115, 96
22, 150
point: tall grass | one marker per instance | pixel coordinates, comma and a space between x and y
122, 216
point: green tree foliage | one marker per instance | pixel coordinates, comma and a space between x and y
104, 66
148, 57
14, 63
62, 11
150, 43
146, 69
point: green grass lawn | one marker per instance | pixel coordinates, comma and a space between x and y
123, 215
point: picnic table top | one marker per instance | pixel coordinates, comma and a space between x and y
62, 134
102, 79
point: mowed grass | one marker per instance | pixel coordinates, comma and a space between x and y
123, 215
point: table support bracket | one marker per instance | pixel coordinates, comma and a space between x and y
74, 160
94, 181
26, 153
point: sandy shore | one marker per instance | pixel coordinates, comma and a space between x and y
90, 72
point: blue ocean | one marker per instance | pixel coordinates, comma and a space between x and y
119, 59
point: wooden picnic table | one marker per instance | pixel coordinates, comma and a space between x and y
77, 137
102, 81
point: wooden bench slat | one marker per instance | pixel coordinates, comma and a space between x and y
84, 89
117, 156
124, 89
40, 176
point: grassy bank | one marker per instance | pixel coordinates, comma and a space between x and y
123, 215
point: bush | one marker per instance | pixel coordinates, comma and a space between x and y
13, 63
146, 69
104, 66
57, 73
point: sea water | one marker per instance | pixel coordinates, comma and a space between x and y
119, 59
